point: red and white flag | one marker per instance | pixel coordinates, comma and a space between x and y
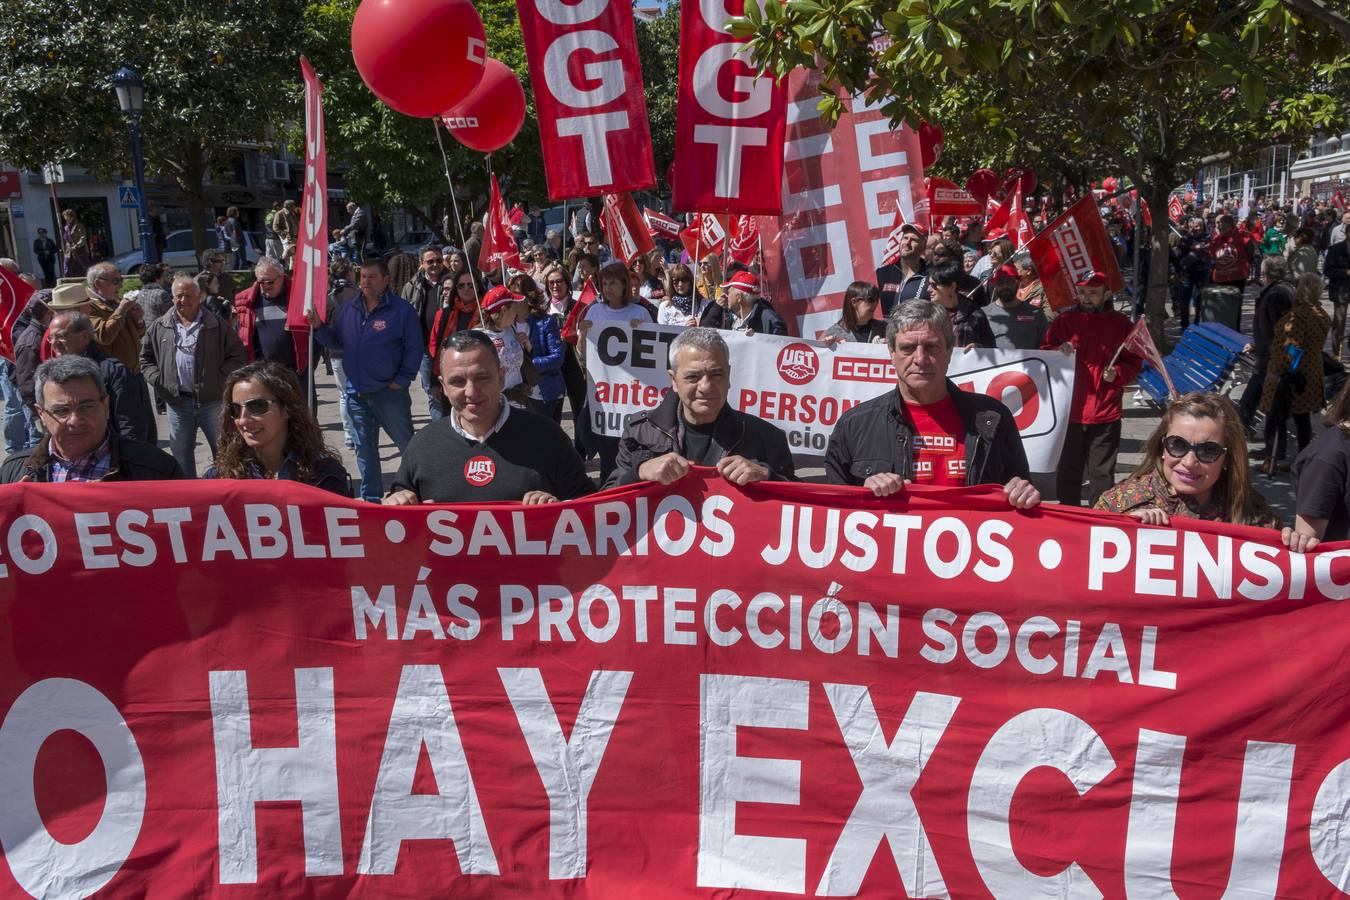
309, 284
499, 244
1072, 247
661, 225
588, 97
14, 295
947, 198
1017, 222
1175, 209
705, 234
625, 228
743, 239
584, 299
1140, 342
730, 120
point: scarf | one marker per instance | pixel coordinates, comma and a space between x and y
683, 304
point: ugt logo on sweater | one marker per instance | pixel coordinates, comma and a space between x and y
480, 470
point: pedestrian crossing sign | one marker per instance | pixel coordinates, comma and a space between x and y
131, 199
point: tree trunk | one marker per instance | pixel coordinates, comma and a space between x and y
1156, 194
194, 173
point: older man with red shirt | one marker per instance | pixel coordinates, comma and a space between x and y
1092, 333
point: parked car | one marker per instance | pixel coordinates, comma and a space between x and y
413, 241
180, 253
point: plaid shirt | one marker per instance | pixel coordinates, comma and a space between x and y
91, 467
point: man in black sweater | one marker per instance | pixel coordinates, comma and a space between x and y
486, 450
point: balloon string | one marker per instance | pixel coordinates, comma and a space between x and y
459, 223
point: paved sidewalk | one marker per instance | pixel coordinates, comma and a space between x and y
1139, 421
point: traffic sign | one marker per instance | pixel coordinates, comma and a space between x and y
53, 173
131, 199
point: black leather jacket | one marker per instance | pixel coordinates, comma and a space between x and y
878, 436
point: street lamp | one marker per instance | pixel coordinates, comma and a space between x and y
131, 100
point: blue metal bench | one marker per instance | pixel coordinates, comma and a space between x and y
1204, 359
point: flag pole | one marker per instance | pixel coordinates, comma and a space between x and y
459, 222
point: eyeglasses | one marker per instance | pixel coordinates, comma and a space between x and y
554, 282
83, 409
258, 406
111, 279
1207, 451
268, 282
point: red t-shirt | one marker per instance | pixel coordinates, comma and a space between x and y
939, 444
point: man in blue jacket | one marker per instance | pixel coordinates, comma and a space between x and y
380, 337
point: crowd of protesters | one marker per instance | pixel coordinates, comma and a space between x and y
500, 354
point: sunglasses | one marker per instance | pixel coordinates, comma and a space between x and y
268, 282
258, 406
1207, 452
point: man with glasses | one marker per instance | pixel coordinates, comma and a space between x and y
119, 325
424, 293
73, 408
260, 316
72, 334
213, 261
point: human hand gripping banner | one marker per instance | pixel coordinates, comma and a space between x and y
238, 689
803, 386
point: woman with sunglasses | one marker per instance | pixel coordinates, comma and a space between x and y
267, 431
1194, 466
684, 304
858, 322
710, 279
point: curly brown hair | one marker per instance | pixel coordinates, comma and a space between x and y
304, 439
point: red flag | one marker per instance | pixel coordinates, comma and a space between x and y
584, 299
1070, 248
14, 294
1174, 209
743, 239
705, 234
947, 198
1018, 223
309, 284
730, 120
661, 225
626, 229
998, 213
499, 245
1140, 342
588, 97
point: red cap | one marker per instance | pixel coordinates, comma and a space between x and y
914, 227
1092, 279
1005, 272
743, 281
498, 297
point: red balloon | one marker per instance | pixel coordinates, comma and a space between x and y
492, 114
420, 57
982, 183
1109, 184
930, 142
1019, 179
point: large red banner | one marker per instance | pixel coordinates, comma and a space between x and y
588, 95
840, 188
1074, 245
309, 286
257, 690
730, 119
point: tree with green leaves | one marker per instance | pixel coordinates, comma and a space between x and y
216, 75
1144, 88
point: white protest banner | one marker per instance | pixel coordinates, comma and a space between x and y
803, 386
